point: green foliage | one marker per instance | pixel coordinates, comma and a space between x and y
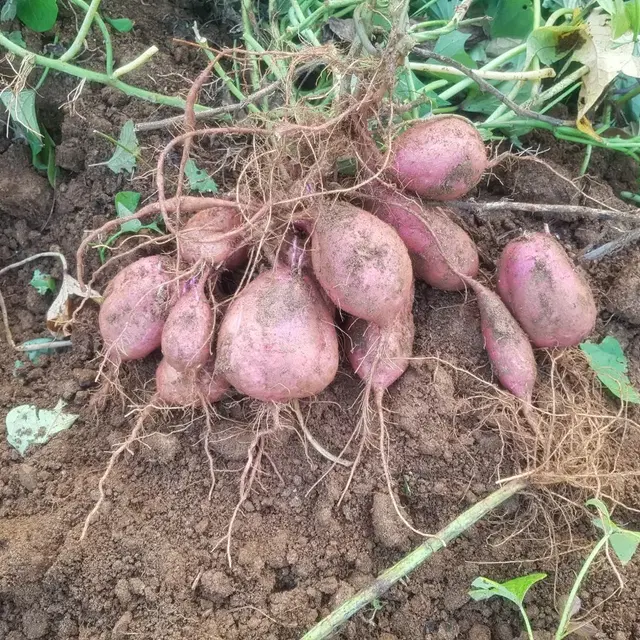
8, 10
610, 364
511, 18
38, 15
127, 150
513, 590
452, 46
624, 542
42, 282
16, 38
199, 180
21, 107
126, 203
551, 44
121, 25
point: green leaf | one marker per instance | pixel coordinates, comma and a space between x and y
8, 10
126, 203
38, 15
551, 44
565, 4
409, 88
610, 364
45, 158
22, 111
632, 12
27, 425
443, 9
121, 25
199, 180
126, 153
43, 282
624, 544
16, 38
620, 22
514, 590
34, 355
452, 45
512, 18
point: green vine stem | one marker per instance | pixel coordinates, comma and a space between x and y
76, 45
95, 76
106, 36
411, 561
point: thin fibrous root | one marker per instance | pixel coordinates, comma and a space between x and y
313, 442
114, 458
378, 394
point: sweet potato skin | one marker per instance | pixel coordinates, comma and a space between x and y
441, 158
418, 224
544, 291
135, 309
201, 238
185, 389
277, 340
506, 343
361, 263
380, 355
188, 330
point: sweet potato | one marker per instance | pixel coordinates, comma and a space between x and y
547, 295
380, 355
277, 340
361, 263
183, 389
207, 236
417, 225
188, 331
135, 308
441, 158
506, 343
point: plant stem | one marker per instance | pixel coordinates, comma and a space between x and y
527, 624
293, 31
95, 76
136, 62
566, 612
423, 36
76, 45
487, 75
106, 36
496, 62
411, 561
630, 95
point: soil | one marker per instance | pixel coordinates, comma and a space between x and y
151, 566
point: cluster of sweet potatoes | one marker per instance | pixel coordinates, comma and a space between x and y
349, 266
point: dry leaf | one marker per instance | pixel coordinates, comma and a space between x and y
59, 313
604, 58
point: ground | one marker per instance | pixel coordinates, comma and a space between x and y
150, 566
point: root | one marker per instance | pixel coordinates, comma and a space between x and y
133, 436
384, 443
313, 442
207, 434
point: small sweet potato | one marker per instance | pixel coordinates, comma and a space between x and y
135, 308
188, 330
380, 355
441, 158
545, 292
361, 263
208, 236
506, 343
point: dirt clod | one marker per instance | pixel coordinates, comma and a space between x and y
28, 477
387, 528
479, 632
35, 624
216, 586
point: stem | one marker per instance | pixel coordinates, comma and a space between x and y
106, 36
136, 62
293, 31
566, 613
527, 624
496, 62
411, 561
423, 36
558, 13
76, 45
630, 95
94, 76
487, 75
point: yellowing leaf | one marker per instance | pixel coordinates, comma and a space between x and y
584, 125
60, 311
604, 58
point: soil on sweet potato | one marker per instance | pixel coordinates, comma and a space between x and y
150, 567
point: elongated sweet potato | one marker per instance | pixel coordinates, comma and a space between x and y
419, 225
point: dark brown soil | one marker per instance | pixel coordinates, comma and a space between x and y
150, 567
